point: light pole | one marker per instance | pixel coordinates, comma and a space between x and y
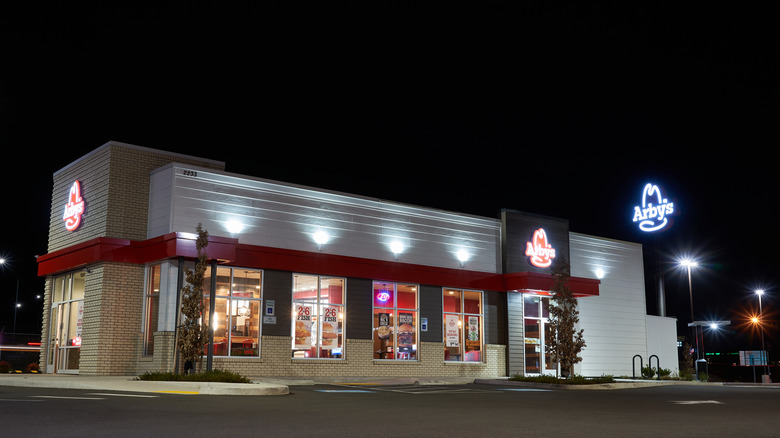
688, 264
16, 300
760, 292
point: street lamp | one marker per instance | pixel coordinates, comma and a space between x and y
760, 292
16, 300
688, 264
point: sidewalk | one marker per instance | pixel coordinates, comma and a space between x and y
128, 383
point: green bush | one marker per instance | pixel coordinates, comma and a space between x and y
221, 376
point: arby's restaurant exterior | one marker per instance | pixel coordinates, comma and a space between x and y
305, 282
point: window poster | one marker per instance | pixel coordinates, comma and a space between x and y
473, 334
330, 327
383, 329
451, 330
303, 325
405, 332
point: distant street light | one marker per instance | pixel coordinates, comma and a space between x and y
760, 292
16, 300
688, 264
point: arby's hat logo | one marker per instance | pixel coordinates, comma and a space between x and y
74, 208
653, 214
540, 250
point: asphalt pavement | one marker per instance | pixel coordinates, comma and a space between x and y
280, 386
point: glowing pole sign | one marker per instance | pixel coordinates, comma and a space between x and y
74, 208
653, 214
539, 250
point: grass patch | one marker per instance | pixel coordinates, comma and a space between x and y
221, 376
575, 380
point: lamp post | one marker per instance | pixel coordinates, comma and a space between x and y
760, 292
16, 300
688, 264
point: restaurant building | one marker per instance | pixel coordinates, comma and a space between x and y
305, 282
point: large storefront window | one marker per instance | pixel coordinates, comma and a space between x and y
395, 321
537, 333
236, 318
152, 310
65, 325
462, 325
318, 317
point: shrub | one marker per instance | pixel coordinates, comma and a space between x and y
33, 366
222, 376
5, 367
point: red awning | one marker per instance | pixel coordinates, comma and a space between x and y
229, 252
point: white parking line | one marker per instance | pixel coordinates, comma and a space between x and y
124, 395
68, 398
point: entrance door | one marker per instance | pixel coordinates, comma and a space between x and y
67, 313
537, 333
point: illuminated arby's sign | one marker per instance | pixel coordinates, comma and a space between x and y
74, 208
539, 250
653, 214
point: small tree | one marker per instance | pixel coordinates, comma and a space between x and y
192, 335
566, 343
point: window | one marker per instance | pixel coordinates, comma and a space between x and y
318, 317
237, 303
462, 325
152, 308
395, 321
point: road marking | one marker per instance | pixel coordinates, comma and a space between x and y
341, 390
697, 402
524, 389
125, 395
178, 392
68, 398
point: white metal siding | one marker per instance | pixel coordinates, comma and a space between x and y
285, 216
613, 322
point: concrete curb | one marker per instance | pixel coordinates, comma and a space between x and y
129, 384
618, 384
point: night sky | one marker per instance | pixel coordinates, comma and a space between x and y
565, 111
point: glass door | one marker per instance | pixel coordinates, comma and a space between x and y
67, 315
537, 357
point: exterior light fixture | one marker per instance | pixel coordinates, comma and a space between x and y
234, 226
462, 256
396, 247
320, 238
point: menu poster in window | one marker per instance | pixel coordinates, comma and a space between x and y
303, 323
383, 329
473, 328
405, 332
330, 327
451, 330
